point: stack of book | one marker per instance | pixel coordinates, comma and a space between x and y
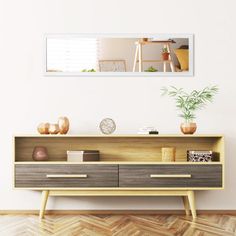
148, 130
83, 155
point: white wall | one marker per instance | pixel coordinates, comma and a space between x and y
28, 98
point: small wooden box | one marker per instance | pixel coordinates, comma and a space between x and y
83, 155
202, 156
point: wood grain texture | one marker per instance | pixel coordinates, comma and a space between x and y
107, 176
118, 225
44, 200
117, 192
36, 175
116, 163
115, 148
139, 176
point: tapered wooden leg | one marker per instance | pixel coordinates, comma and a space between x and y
164, 66
172, 67
192, 203
45, 194
135, 58
140, 60
186, 205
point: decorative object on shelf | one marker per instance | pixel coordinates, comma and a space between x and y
165, 54
148, 130
189, 103
202, 156
40, 153
85, 155
168, 154
154, 132
107, 126
54, 129
61, 127
43, 128
64, 125
188, 128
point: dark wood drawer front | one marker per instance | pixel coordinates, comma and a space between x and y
170, 176
66, 176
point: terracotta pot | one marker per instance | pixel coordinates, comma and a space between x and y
188, 128
54, 129
40, 154
64, 125
165, 56
43, 128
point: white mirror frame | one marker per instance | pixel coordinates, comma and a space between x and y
123, 74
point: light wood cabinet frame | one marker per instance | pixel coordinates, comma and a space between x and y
119, 150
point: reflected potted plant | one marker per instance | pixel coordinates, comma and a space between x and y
165, 54
151, 69
88, 70
189, 103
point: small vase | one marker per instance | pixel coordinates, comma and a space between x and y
40, 154
64, 125
43, 128
188, 128
53, 129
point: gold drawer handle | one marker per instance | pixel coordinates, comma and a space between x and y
170, 176
67, 176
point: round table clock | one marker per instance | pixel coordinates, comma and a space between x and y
107, 126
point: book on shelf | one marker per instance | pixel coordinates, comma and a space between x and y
83, 155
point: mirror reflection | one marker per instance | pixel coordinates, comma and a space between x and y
77, 54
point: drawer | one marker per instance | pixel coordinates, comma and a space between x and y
66, 176
194, 176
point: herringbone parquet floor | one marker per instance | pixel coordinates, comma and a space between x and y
117, 225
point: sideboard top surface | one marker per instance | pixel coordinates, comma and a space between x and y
120, 136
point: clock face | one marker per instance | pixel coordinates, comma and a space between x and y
107, 126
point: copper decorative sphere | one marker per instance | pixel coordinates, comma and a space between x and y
43, 128
64, 125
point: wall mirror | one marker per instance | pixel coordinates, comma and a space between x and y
119, 55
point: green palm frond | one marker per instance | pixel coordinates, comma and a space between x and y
189, 103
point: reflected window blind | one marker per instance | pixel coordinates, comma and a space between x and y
72, 54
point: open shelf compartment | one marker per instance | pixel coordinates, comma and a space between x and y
138, 149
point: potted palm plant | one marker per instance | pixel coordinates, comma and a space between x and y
189, 103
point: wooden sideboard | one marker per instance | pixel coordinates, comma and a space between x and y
130, 165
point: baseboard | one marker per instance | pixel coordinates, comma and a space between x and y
113, 212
